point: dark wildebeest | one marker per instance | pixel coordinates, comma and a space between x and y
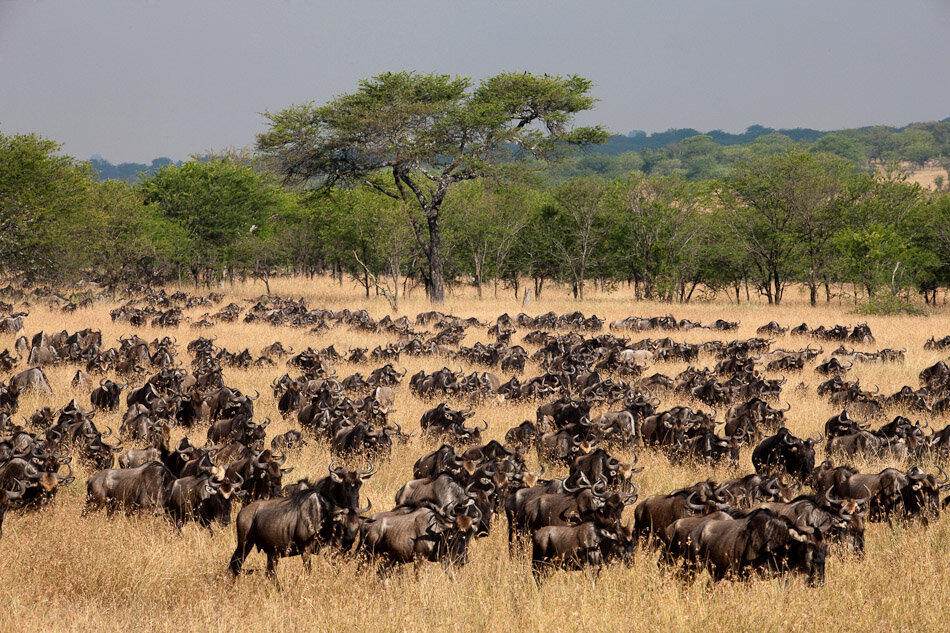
588, 545
201, 499
656, 512
427, 533
287, 526
760, 540
441, 460
785, 452
106, 395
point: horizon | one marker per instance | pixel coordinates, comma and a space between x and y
628, 134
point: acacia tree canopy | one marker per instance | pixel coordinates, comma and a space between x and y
425, 133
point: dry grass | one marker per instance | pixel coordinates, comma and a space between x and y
62, 571
926, 176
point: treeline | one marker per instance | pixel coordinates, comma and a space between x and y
780, 214
695, 155
689, 154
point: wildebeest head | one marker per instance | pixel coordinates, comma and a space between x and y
342, 486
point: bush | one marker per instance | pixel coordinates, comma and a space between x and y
887, 304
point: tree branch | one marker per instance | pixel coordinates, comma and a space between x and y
381, 189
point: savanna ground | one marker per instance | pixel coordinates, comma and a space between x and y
61, 571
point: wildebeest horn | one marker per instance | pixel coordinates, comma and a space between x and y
336, 473
945, 478
582, 482
696, 507
820, 438
366, 474
364, 510
787, 407
829, 499
66, 478
12, 494
484, 428
600, 488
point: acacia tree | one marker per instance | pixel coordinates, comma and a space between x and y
425, 133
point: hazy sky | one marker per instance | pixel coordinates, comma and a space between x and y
137, 79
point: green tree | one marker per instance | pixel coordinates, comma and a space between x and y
426, 133
656, 230
885, 240
581, 222
784, 209
43, 199
126, 240
488, 218
220, 203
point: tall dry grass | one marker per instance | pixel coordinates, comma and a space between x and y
62, 571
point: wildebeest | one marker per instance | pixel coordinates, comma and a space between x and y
656, 512
426, 533
106, 395
134, 489
287, 526
588, 545
32, 379
201, 499
785, 452
760, 541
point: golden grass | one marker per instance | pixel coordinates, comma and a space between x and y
62, 571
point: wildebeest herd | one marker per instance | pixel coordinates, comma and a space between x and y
599, 403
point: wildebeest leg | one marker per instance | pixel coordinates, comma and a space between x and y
240, 554
539, 571
384, 569
305, 558
272, 559
449, 568
94, 506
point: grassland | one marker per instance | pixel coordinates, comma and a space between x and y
64, 572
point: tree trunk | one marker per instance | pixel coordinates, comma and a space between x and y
434, 255
479, 264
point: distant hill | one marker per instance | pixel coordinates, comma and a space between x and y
129, 172
637, 140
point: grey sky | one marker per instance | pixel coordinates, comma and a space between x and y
137, 79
